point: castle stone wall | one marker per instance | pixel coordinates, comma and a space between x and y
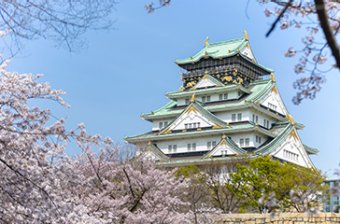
280, 218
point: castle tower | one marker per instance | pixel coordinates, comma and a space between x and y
228, 107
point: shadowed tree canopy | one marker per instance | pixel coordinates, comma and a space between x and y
62, 21
321, 23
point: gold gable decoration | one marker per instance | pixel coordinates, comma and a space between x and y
294, 134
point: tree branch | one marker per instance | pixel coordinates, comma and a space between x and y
323, 18
279, 17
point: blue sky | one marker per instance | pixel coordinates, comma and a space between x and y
125, 72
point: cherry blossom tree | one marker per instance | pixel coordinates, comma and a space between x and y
321, 23
62, 21
35, 172
133, 192
40, 183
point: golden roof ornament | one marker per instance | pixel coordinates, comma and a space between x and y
272, 76
291, 119
206, 42
193, 98
245, 35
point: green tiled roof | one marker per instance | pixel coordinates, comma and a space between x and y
198, 92
236, 128
256, 89
222, 49
272, 145
310, 150
216, 50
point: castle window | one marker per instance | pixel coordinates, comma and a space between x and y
233, 117
211, 144
241, 142
290, 155
191, 146
187, 101
204, 99
266, 123
272, 106
255, 118
239, 116
223, 96
208, 98
165, 123
208, 145
160, 125
247, 141
174, 148
169, 148
192, 125
258, 139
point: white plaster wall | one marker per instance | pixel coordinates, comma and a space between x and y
181, 101
261, 116
201, 144
227, 116
236, 138
263, 139
213, 97
155, 124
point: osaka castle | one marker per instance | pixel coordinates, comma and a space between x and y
228, 107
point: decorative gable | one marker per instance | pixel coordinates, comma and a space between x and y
292, 150
208, 81
226, 147
274, 101
246, 51
152, 152
194, 117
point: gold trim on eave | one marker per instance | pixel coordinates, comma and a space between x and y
272, 77
193, 98
216, 126
291, 119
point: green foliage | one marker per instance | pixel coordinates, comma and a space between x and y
270, 185
258, 185
187, 171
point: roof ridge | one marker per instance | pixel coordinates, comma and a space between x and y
226, 41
